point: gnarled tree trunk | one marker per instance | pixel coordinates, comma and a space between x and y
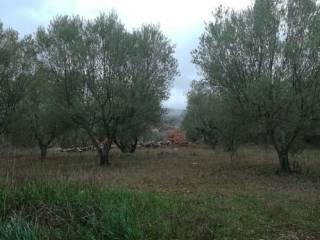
283, 156
44, 144
104, 152
282, 144
127, 146
103, 147
43, 151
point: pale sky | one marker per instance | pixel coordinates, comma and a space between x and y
181, 21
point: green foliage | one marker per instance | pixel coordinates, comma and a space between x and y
110, 81
211, 118
265, 60
39, 118
16, 56
151, 68
199, 121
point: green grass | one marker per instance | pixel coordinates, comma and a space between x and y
69, 211
171, 193
17, 228
65, 211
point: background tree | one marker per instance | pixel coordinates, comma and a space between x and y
212, 118
266, 60
15, 70
199, 121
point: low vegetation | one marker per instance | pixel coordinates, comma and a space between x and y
167, 193
63, 211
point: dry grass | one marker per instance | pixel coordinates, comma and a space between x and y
194, 170
197, 173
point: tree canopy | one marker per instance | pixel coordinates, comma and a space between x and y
265, 61
15, 70
111, 81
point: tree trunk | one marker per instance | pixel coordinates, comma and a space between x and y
127, 146
281, 144
104, 158
43, 154
104, 154
123, 147
283, 156
133, 145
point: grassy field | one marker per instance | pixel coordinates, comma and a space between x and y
168, 193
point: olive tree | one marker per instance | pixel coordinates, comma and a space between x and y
15, 70
95, 67
266, 59
39, 115
212, 118
151, 69
86, 60
199, 121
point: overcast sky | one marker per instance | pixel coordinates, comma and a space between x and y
182, 21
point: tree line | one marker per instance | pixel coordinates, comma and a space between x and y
260, 81
260, 70
92, 76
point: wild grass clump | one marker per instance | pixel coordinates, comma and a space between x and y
17, 228
64, 211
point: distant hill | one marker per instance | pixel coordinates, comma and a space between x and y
173, 117
172, 112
